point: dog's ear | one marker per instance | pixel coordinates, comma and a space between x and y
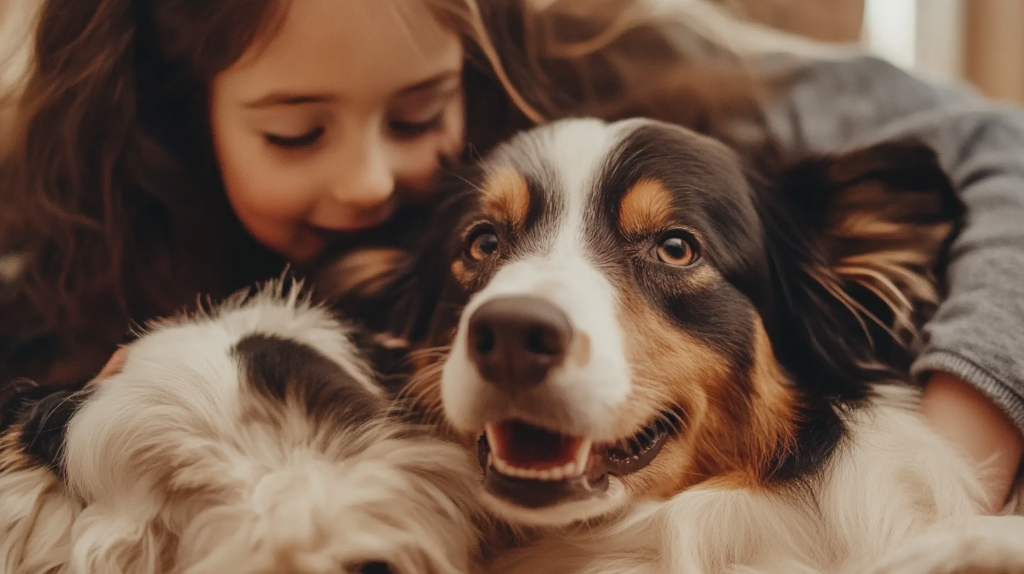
34, 420
390, 295
857, 243
386, 291
391, 282
882, 218
363, 283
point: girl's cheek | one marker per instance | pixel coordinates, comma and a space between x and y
455, 130
448, 144
279, 191
420, 180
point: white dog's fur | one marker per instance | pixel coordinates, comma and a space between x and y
174, 465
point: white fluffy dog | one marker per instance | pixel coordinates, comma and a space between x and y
250, 439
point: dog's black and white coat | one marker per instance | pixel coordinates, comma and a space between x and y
250, 439
663, 362
674, 359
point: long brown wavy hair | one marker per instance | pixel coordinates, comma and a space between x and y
111, 196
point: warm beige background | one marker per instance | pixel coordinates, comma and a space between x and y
988, 38
830, 20
988, 47
994, 47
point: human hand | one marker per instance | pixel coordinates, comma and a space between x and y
973, 422
113, 366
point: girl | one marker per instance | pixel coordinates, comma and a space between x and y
155, 149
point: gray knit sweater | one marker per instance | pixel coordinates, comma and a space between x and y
978, 332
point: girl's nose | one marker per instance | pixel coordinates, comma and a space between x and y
367, 180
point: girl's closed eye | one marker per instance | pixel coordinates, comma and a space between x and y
399, 128
422, 114
408, 130
293, 142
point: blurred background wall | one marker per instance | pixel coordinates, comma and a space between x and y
980, 41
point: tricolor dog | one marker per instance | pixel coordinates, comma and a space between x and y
671, 358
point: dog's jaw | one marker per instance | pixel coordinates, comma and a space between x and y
613, 499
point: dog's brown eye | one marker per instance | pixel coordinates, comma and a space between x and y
675, 250
481, 243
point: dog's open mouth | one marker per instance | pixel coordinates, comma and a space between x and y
535, 467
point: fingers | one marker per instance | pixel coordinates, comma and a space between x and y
114, 365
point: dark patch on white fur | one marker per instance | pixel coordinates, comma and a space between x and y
43, 414
281, 369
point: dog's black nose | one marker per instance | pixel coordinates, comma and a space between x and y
515, 341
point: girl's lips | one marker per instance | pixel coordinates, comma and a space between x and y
362, 222
331, 233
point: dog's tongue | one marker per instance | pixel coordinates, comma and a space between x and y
522, 446
537, 468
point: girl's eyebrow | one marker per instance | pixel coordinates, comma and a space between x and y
278, 98
434, 81
287, 98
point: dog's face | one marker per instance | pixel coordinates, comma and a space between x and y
613, 311
250, 440
603, 332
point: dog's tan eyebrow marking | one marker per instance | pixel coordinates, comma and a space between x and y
646, 208
461, 274
506, 198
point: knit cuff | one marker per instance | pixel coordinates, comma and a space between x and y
998, 392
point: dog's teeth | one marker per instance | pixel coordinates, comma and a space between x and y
569, 469
490, 434
500, 465
583, 455
550, 474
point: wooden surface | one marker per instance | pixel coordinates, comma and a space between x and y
994, 47
985, 47
828, 20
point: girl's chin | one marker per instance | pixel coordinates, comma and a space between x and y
306, 247
314, 243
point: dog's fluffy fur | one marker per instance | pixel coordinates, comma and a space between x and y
248, 439
753, 321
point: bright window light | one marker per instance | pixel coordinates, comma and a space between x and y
890, 30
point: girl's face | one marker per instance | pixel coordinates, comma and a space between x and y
337, 120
